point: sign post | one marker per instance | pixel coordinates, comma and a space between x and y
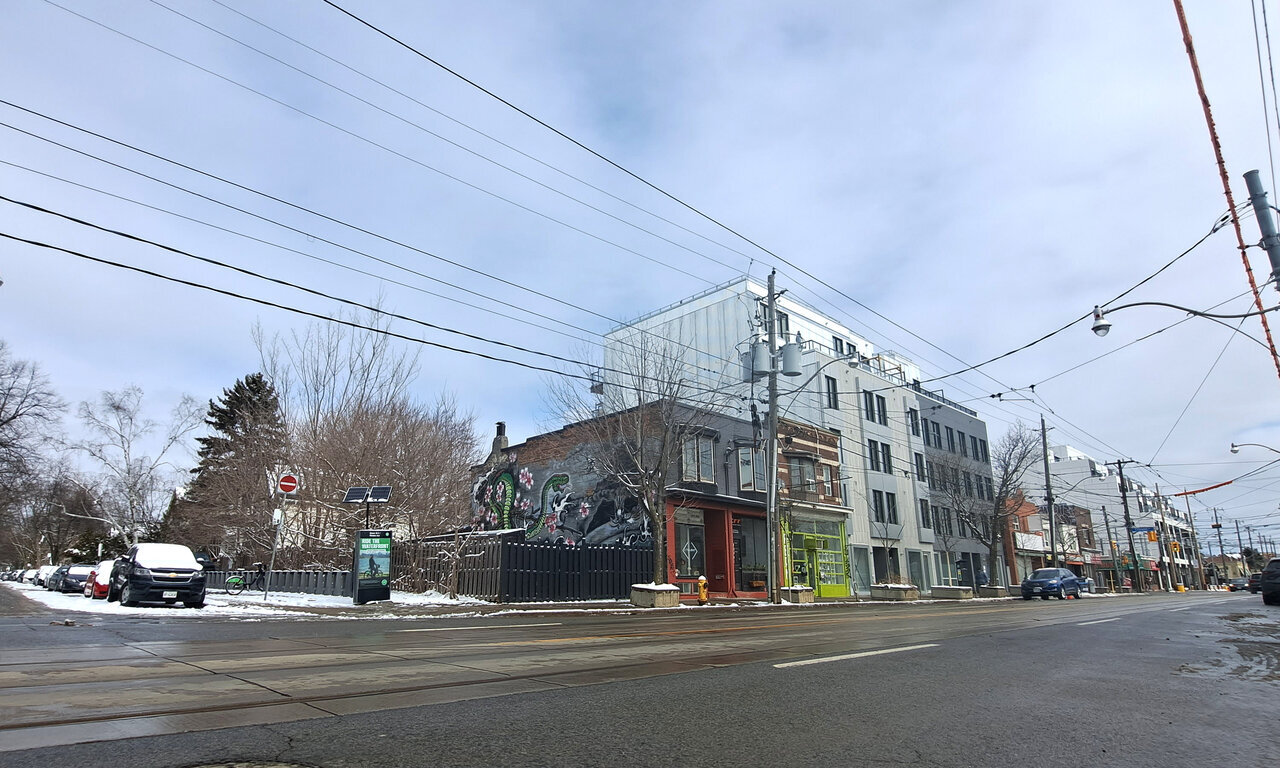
371, 566
287, 485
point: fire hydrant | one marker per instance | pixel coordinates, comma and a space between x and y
703, 599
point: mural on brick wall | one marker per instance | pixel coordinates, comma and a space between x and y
550, 509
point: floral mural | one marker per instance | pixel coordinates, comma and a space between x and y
547, 505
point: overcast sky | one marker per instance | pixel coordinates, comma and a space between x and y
980, 173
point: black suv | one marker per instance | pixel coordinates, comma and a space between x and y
156, 573
1270, 582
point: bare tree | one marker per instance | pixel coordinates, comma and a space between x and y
1011, 457
29, 413
134, 484
352, 420
637, 425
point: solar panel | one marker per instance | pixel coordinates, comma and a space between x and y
380, 494
355, 495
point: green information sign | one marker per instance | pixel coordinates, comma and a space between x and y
372, 567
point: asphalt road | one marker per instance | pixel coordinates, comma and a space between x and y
1166, 680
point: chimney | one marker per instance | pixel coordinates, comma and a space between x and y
500, 439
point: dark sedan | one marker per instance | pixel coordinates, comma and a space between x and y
1051, 582
1238, 585
72, 579
1255, 583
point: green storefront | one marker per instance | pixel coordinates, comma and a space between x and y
817, 554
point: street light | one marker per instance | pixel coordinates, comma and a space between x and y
1101, 325
1235, 447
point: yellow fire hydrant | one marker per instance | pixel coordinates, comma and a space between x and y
703, 598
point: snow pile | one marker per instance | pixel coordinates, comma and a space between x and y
277, 604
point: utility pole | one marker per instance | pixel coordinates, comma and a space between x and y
1240, 547
1249, 530
1222, 550
1195, 541
1048, 496
1115, 554
1128, 524
771, 504
1166, 547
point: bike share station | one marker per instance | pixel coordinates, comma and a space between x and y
371, 559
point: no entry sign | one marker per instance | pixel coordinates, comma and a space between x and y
288, 483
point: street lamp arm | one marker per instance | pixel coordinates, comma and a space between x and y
1196, 312
1101, 325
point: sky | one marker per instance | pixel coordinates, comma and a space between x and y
979, 173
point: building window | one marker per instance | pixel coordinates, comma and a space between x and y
985, 457
968, 485
942, 524
891, 508
924, 427
830, 487
833, 397
920, 471
877, 506
937, 434
913, 417
784, 324
973, 443
991, 494
926, 520
803, 479
690, 544
964, 445
837, 344
882, 411
873, 455
699, 459
886, 458
869, 406
951, 440
751, 470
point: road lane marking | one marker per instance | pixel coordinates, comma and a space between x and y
487, 626
1099, 621
846, 656
1184, 608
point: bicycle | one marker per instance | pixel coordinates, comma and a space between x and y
237, 584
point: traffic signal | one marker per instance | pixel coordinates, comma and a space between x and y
1151, 536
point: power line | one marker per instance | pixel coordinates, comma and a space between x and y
389, 150
286, 308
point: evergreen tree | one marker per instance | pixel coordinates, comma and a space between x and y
227, 508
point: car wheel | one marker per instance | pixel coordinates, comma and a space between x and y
112, 594
1044, 597
1062, 593
1028, 597
126, 597
1270, 600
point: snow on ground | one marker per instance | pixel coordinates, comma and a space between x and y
248, 605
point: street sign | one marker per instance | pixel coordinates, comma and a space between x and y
1142, 530
287, 483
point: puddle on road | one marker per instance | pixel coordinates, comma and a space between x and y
1254, 658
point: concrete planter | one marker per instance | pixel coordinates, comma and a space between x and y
993, 591
894, 593
655, 595
952, 593
797, 594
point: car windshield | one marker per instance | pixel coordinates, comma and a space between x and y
1045, 573
80, 570
165, 556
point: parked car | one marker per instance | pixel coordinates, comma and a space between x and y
54, 579
1238, 585
73, 578
29, 576
1255, 583
1270, 582
99, 580
1051, 582
43, 573
152, 572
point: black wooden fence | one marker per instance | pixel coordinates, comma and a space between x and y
499, 568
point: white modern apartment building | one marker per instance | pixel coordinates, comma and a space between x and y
909, 457
1163, 530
